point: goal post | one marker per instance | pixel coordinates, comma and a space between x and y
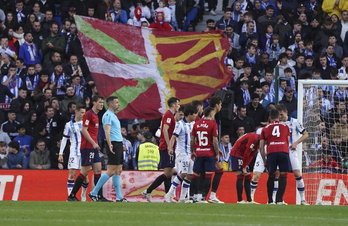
324, 185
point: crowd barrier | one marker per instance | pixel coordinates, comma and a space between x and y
50, 185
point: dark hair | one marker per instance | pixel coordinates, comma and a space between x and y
287, 70
70, 104
79, 106
95, 98
214, 100
210, 21
255, 95
207, 111
14, 144
196, 103
172, 101
20, 126
110, 99
189, 110
281, 107
274, 114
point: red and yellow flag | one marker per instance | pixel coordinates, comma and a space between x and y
145, 67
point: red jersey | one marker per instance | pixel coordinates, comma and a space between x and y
276, 136
204, 131
91, 121
246, 147
167, 119
327, 165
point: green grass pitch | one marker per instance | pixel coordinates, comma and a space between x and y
89, 213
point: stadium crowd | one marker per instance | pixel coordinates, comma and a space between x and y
44, 74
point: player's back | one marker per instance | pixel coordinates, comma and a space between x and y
91, 121
276, 135
183, 132
167, 119
204, 130
296, 129
240, 146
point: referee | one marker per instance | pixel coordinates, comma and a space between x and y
112, 128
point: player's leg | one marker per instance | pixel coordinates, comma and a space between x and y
167, 164
198, 168
284, 167
118, 162
182, 166
276, 184
101, 181
271, 167
236, 165
298, 176
71, 181
87, 157
259, 168
97, 169
215, 183
210, 168
185, 188
247, 179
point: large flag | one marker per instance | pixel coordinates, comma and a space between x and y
145, 67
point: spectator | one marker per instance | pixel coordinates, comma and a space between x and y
70, 96
117, 13
242, 120
60, 80
24, 112
53, 43
327, 164
25, 142
10, 126
40, 157
226, 20
289, 100
3, 155
54, 154
256, 111
159, 23
30, 123
51, 122
37, 12
15, 158
29, 50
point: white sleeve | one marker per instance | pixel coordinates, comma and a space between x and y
62, 145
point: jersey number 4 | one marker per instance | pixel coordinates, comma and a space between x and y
275, 131
202, 138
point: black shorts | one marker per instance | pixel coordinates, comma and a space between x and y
204, 164
166, 160
278, 159
117, 158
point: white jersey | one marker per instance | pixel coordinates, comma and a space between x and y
72, 131
296, 129
182, 131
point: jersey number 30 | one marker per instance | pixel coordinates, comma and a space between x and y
275, 131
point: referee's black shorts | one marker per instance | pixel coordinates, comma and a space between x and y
117, 158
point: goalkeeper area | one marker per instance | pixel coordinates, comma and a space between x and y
322, 109
94, 213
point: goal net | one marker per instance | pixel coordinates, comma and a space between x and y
322, 106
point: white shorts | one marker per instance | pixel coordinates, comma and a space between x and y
259, 165
185, 164
74, 162
295, 165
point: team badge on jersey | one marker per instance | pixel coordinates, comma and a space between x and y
169, 120
87, 122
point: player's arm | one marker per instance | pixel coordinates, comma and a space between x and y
171, 144
262, 151
216, 147
192, 143
107, 129
300, 140
61, 149
165, 133
88, 137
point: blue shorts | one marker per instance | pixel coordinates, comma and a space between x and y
166, 160
89, 156
204, 164
276, 159
237, 164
